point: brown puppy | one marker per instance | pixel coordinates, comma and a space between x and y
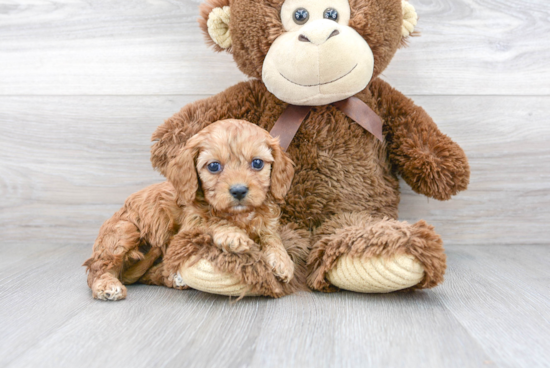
242, 174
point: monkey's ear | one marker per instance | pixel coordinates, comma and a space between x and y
214, 22
410, 19
182, 174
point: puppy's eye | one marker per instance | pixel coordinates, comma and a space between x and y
257, 164
331, 14
301, 16
214, 167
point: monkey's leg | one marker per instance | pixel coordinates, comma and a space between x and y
363, 254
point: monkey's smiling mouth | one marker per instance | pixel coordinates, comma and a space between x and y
320, 84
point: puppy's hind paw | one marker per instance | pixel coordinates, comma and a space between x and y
178, 281
108, 287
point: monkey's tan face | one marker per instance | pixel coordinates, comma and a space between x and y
235, 171
319, 59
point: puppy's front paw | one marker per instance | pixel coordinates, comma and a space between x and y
108, 287
283, 267
234, 242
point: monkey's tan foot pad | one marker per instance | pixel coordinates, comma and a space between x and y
376, 274
204, 277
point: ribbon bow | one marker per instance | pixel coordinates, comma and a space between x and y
290, 120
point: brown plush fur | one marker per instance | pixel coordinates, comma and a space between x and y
340, 167
202, 212
255, 25
342, 171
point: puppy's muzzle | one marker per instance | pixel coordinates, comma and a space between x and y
238, 191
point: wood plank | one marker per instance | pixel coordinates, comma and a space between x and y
351, 330
205, 330
505, 139
68, 163
39, 294
493, 309
14, 253
113, 47
159, 326
501, 295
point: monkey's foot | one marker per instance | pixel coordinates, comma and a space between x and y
204, 277
377, 256
376, 274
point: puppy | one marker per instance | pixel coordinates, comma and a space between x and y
226, 182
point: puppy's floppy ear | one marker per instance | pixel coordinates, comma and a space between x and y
282, 171
182, 174
214, 22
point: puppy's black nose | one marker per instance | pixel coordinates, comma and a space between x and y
238, 191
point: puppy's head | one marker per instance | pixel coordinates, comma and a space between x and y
238, 164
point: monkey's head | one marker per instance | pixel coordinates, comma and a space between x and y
309, 52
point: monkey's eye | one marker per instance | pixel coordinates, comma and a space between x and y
214, 167
331, 14
257, 164
301, 16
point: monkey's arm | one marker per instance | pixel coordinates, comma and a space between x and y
428, 160
237, 102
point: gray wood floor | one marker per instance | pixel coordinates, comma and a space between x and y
493, 310
83, 84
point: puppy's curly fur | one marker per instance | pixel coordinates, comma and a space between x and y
198, 210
